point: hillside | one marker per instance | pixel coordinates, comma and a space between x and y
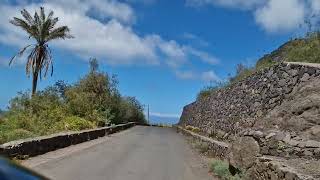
297, 50
269, 114
305, 49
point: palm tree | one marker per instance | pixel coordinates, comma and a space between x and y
42, 29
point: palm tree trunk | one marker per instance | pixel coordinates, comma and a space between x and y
34, 82
36, 72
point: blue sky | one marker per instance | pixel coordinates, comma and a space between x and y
163, 52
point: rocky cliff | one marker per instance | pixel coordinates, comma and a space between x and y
276, 108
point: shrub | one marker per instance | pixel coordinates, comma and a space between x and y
206, 91
196, 130
221, 169
15, 134
92, 101
189, 128
76, 123
193, 129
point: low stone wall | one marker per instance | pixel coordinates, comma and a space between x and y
40, 145
284, 144
218, 148
245, 152
273, 168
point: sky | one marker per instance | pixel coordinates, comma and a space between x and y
163, 52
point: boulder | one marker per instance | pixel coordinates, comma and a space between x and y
243, 152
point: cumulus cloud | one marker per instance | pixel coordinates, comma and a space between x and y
278, 16
102, 28
207, 76
274, 16
315, 6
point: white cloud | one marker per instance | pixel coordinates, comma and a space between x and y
210, 76
104, 8
274, 16
107, 34
194, 38
242, 4
315, 6
164, 115
203, 56
207, 76
186, 75
279, 16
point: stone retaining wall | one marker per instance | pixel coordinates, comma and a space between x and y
273, 169
274, 112
217, 148
241, 104
40, 145
284, 144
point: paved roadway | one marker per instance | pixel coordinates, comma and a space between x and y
139, 153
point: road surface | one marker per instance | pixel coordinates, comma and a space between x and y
139, 153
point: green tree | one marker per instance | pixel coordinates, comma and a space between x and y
92, 97
42, 28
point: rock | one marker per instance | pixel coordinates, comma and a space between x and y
273, 176
305, 77
302, 144
307, 153
256, 104
282, 82
270, 135
259, 113
287, 138
293, 142
257, 134
243, 152
315, 131
312, 144
293, 72
280, 136
290, 176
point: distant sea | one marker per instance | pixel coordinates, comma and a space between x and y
164, 120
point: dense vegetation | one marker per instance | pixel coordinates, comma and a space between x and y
93, 101
305, 49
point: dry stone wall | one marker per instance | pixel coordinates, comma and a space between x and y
274, 113
40, 145
243, 103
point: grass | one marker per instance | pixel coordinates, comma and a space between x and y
203, 147
221, 169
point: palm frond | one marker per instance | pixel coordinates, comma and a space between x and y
50, 15
59, 33
54, 22
28, 17
42, 14
19, 54
21, 23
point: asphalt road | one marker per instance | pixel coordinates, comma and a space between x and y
140, 153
